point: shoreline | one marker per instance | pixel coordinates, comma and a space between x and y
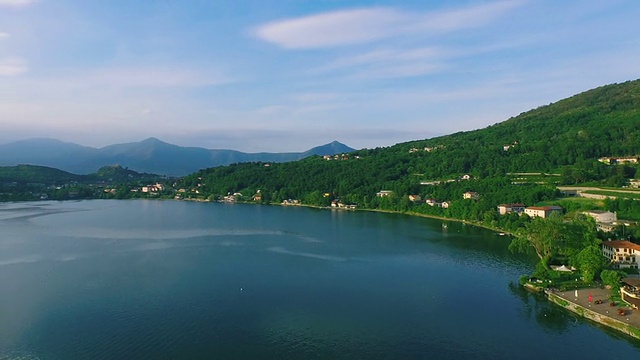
629, 323
416, 214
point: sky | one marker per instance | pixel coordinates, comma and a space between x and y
285, 75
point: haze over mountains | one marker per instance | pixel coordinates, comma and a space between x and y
150, 155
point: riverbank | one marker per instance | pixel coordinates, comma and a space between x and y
583, 303
409, 213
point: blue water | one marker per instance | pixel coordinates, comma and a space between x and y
164, 279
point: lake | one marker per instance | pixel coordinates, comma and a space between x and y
140, 279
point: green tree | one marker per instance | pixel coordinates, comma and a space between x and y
590, 262
541, 235
612, 278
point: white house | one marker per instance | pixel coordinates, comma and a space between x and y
471, 195
602, 216
383, 193
606, 220
542, 211
622, 253
508, 208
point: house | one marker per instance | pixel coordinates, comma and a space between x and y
622, 254
542, 211
509, 146
257, 197
619, 160
466, 177
152, 188
602, 216
634, 183
509, 208
384, 193
627, 160
471, 195
414, 198
444, 204
606, 220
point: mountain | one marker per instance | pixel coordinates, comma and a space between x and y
150, 155
47, 151
332, 148
566, 138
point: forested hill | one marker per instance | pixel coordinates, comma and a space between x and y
601, 122
49, 176
567, 136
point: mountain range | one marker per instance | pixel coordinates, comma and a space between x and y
151, 156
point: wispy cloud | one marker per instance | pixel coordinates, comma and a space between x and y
332, 29
3, 35
385, 56
12, 67
364, 25
389, 63
15, 2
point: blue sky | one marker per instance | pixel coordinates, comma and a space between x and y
288, 75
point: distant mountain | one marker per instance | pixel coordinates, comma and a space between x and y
150, 155
329, 149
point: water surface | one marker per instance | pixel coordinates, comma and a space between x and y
164, 279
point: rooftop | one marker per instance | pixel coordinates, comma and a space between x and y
621, 244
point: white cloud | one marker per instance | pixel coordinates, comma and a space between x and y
15, 2
331, 29
3, 35
357, 26
12, 67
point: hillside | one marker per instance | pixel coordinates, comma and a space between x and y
44, 175
567, 136
601, 122
36, 174
150, 155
